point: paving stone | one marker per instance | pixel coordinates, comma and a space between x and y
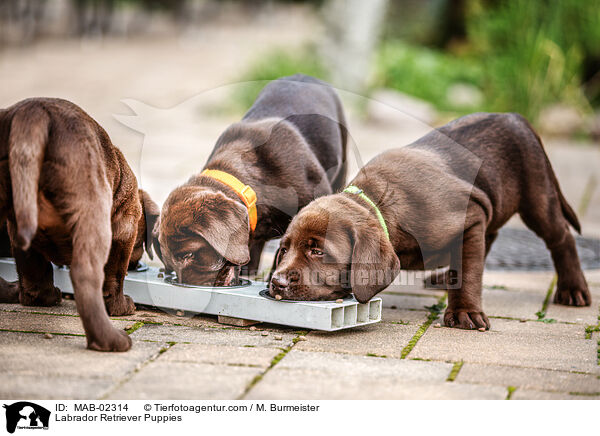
32, 322
186, 381
511, 303
307, 375
404, 301
400, 316
531, 344
210, 336
66, 307
61, 367
539, 395
528, 378
220, 354
382, 339
582, 315
536, 281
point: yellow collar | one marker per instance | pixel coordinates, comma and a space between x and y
245, 192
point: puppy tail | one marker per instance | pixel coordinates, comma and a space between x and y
26, 145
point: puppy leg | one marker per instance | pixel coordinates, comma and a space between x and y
36, 279
464, 304
550, 225
117, 304
489, 240
91, 246
251, 268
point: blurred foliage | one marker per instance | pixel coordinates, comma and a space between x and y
523, 55
274, 64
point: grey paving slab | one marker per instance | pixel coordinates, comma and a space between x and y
309, 375
66, 307
211, 336
535, 281
511, 303
528, 378
404, 301
176, 380
581, 315
402, 316
530, 344
539, 395
221, 355
61, 367
32, 322
382, 339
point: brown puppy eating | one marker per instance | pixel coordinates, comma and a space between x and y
70, 198
288, 149
441, 200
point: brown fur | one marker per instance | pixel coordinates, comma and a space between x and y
70, 198
289, 147
444, 198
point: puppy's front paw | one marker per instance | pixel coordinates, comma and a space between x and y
113, 340
579, 296
466, 320
120, 306
41, 297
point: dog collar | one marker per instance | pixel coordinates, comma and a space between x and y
351, 189
245, 192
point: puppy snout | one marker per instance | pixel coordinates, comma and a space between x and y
279, 282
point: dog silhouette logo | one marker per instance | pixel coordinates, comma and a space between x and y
26, 415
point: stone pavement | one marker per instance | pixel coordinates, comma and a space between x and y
406, 356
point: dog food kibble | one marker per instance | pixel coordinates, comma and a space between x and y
180, 313
48, 336
278, 297
253, 328
393, 307
160, 275
339, 300
278, 338
481, 329
437, 326
264, 334
301, 338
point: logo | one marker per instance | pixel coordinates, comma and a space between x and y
26, 415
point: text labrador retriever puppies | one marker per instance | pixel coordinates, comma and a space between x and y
287, 150
442, 199
70, 198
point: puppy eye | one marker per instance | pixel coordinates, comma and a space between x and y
316, 252
187, 256
282, 250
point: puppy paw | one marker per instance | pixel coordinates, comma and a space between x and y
41, 297
466, 320
113, 340
120, 306
579, 296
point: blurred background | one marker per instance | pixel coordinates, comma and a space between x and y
165, 77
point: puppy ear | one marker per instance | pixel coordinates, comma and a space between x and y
150, 213
374, 263
225, 225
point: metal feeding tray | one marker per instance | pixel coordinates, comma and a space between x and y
244, 301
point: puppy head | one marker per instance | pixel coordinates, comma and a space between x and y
144, 238
331, 248
203, 236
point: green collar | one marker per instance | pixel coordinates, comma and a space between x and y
351, 189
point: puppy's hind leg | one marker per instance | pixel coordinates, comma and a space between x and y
545, 217
91, 246
36, 279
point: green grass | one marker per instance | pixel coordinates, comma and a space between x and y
510, 390
455, 370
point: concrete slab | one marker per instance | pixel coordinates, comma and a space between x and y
531, 344
221, 355
308, 375
528, 378
405, 301
186, 381
511, 303
383, 339
581, 315
61, 367
539, 395
32, 322
535, 281
211, 336
400, 316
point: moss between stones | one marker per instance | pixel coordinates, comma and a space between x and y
455, 370
434, 312
510, 391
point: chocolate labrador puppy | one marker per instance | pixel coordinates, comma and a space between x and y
70, 198
288, 149
442, 199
